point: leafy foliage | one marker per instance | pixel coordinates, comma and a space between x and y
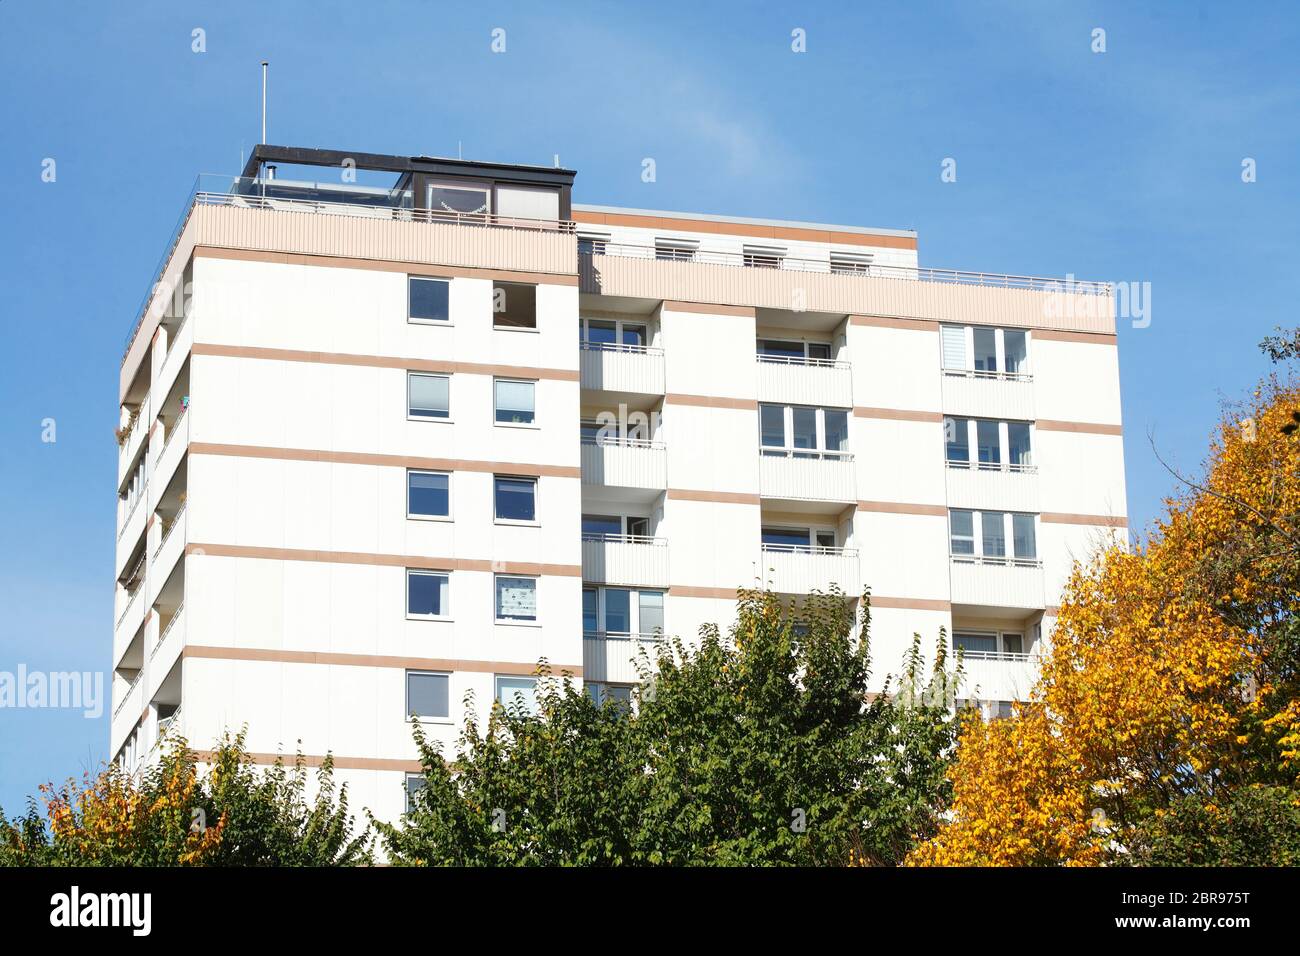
762, 748
168, 814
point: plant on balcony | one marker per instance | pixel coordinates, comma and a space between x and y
760, 747
1166, 725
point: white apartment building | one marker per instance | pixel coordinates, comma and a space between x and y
384, 448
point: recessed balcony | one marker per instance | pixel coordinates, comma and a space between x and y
802, 569
805, 381
613, 658
1012, 583
803, 476
627, 559
994, 675
979, 394
624, 463
992, 486
631, 369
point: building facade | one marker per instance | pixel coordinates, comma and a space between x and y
384, 448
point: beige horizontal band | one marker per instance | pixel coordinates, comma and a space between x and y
420, 561
717, 497
310, 760
1086, 428
910, 604
903, 508
385, 361
386, 265
753, 230
385, 461
282, 656
1091, 338
1102, 521
710, 401
893, 322
897, 414
683, 590
711, 308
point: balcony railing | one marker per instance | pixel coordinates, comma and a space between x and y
168, 629
810, 549
809, 454
800, 360
982, 375
1006, 467
995, 656
616, 367
996, 561
874, 270
171, 432
624, 539
127, 696
170, 528
619, 347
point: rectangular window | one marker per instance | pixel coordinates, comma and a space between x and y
804, 423
1023, 537
850, 263
515, 402
1013, 643
427, 695
516, 598
518, 692
678, 250
1018, 445
428, 396
986, 350
618, 694
638, 527
650, 612
957, 440
771, 420
514, 305
804, 431
989, 443
979, 643
954, 346
515, 498
993, 534
428, 494
618, 611
763, 257
837, 429
1015, 348
427, 594
441, 199
592, 243
785, 538
962, 532
779, 349
428, 300
415, 784
601, 525
590, 613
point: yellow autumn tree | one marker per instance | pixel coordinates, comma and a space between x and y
1170, 693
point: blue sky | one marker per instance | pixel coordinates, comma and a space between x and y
1123, 166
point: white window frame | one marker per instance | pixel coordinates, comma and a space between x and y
598, 241
420, 517
811, 533
484, 189
514, 381
624, 520
496, 687
805, 344
537, 502
406, 697
537, 321
1004, 445
428, 418
677, 250
406, 782
999, 637
763, 257
999, 348
406, 596
1008, 536
537, 600
634, 612
584, 329
437, 323
850, 263
820, 451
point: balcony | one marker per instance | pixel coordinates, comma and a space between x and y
634, 369
992, 487
991, 675
803, 476
693, 275
802, 569
804, 381
1011, 583
630, 559
624, 463
170, 548
130, 436
612, 658
1004, 395
127, 712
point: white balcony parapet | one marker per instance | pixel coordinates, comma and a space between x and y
621, 368
806, 475
795, 380
170, 528
1006, 395
624, 462
134, 596
990, 675
992, 487
171, 432
630, 559
997, 582
610, 657
135, 682
802, 569
176, 616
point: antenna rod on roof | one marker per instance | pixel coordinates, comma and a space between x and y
264, 66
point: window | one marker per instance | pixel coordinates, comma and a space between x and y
515, 498
592, 243
650, 612
851, 263
516, 598
957, 440
679, 250
514, 305
518, 693
999, 446
802, 431
617, 694
590, 611
1018, 445
622, 612
796, 539
428, 396
618, 611
962, 531
515, 402
979, 643
428, 300
456, 199
763, 257
794, 353
427, 695
428, 494
614, 526
427, 594
991, 543
985, 351
415, 784
1013, 643
614, 334
987, 436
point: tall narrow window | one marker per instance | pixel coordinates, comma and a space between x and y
428, 300
516, 598
1015, 347
804, 420
837, 429
590, 614
428, 494
515, 498
962, 532
990, 445
957, 439
1018, 445
954, 346
1023, 537
993, 528
772, 425
515, 402
428, 396
650, 612
618, 611
986, 350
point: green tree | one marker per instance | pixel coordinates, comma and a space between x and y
764, 747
